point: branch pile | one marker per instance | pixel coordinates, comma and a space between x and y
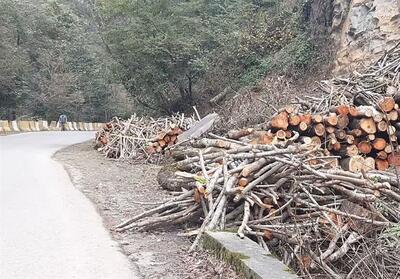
283, 195
380, 78
318, 184
140, 138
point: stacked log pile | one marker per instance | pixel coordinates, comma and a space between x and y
363, 136
140, 138
317, 184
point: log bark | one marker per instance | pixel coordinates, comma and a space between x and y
353, 164
237, 134
169, 180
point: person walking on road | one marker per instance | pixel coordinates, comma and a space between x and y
63, 121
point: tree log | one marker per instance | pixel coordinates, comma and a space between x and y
319, 129
353, 164
366, 124
294, 119
386, 104
364, 147
331, 119
237, 134
382, 126
379, 144
280, 121
381, 165
342, 121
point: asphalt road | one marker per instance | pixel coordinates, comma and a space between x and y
48, 229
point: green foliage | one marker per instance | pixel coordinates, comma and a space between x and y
170, 51
93, 59
51, 63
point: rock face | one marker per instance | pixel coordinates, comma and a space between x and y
363, 30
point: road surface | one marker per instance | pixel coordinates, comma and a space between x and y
48, 229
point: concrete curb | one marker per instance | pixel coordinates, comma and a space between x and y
43, 125
246, 256
24, 126
14, 125
69, 126
5, 126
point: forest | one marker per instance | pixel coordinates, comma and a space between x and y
97, 59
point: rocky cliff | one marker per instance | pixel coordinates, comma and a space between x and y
363, 30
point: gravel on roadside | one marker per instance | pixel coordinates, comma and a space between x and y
115, 188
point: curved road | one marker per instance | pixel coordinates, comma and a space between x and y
48, 229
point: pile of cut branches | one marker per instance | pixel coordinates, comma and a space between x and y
284, 195
140, 138
317, 184
366, 88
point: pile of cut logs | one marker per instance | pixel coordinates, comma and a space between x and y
164, 140
317, 184
140, 138
359, 135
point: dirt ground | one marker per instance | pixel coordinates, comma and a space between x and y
115, 188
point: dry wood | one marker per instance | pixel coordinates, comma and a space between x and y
342, 109
280, 121
382, 126
386, 104
356, 132
319, 129
364, 147
371, 137
350, 150
317, 215
369, 164
306, 118
366, 124
331, 119
280, 134
381, 165
294, 119
340, 134
342, 121
353, 164
394, 159
237, 134
253, 167
379, 144
303, 126
353, 111
349, 139
330, 130
393, 115
382, 155
388, 148
317, 118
